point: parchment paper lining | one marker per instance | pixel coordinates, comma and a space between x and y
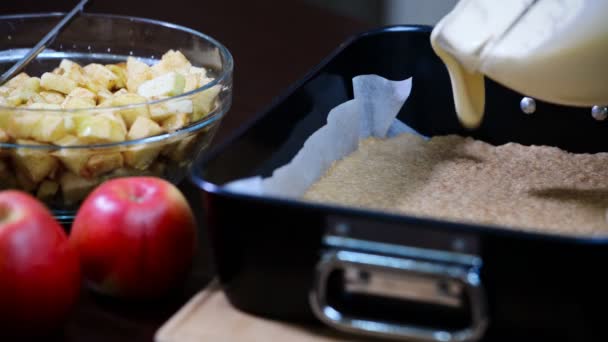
372, 112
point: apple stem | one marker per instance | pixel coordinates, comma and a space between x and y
5, 212
139, 193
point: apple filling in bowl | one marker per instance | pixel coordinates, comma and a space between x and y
65, 132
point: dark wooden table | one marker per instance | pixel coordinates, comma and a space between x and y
274, 43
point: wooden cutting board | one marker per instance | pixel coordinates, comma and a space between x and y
209, 317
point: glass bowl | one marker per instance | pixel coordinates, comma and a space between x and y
60, 154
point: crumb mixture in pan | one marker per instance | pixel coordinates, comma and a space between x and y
455, 178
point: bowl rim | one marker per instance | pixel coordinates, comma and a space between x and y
214, 115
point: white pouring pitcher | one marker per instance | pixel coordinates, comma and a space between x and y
551, 50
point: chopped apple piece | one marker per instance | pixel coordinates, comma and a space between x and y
68, 140
52, 97
75, 188
104, 95
138, 72
32, 83
78, 102
11, 101
191, 82
17, 98
129, 115
200, 72
72, 70
20, 96
22, 125
175, 122
169, 84
120, 73
83, 93
195, 78
120, 92
99, 77
47, 189
142, 128
4, 91
49, 128
117, 121
35, 98
105, 103
17, 81
58, 83
99, 129
141, 157
71, 120
35, 164
163, 110
204, 102
73, 160
102, 163
67, 65
171, 61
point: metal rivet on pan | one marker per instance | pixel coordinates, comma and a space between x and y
599, 113
527, 105
458, 245
341, 229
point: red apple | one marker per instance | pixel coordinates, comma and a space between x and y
136, 237
39, 270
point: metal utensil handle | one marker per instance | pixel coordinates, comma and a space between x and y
42, 44
344, 259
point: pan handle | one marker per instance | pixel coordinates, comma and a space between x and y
419, 281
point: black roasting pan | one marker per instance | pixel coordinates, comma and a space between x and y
376, 274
